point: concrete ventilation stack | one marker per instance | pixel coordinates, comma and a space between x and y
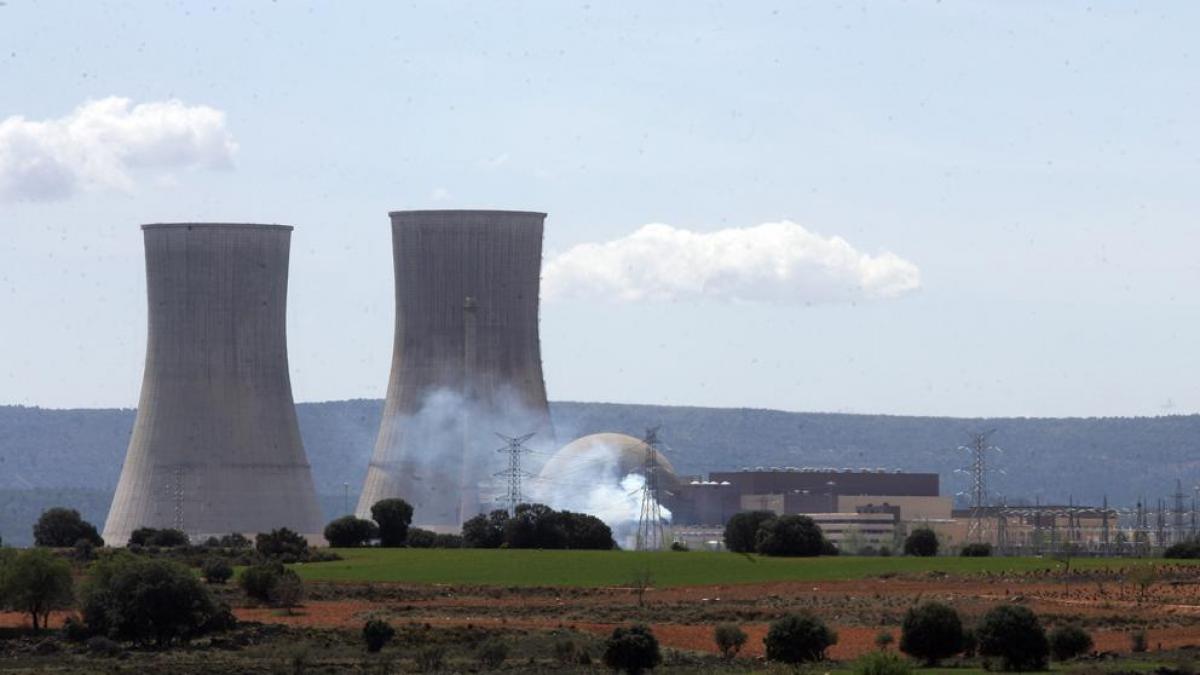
466, 361
216, 447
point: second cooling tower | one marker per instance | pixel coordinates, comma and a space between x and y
466, 361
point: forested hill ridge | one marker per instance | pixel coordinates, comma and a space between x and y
74, 457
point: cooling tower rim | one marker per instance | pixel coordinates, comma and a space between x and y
464, 212
216, 226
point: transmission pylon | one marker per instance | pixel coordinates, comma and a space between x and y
978, 447
1177, 513
514, 447
651, 532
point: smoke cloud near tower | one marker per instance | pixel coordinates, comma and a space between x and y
466, 360
216, 447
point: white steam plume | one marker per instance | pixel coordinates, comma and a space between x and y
780, 263
106, 144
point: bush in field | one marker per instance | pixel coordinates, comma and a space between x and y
377, 633
931, 632
36, 582
235, 541
350, 532
1013, 633
729, 638
789, 536
586, 532
1138, 642
632, 649
393, 516
884, 639
150, 601
419, 538
882, 663
166, 538
1183, 549
798, 638
287, 591
741, 531
258, 581
61, 528
921, 542
281, 544
216, 570
1068, 642
976, 550
431, 659
492, 653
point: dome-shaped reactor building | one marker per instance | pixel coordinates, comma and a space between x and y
604, 456
216, 446
466, 362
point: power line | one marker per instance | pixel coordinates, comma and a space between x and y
651, 535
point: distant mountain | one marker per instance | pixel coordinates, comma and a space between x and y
73, 457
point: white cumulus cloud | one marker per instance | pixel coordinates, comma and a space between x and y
774, 262
108, 144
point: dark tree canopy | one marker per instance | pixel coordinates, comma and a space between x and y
350, 532
393, 516
35, 581
931, 632
632, 649
741, 532
282, 544
921, 542
789, 536
150, 601
1069, 641
61, 527
535, 526
798, 638
149, 536
485, 530
1013, 634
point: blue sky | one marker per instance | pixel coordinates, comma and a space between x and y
1038, 163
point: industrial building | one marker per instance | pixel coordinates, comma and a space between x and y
466, 360
215, 448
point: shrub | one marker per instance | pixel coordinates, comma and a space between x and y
258, 581
447, 540
680, 546
75, 630
1183, 549
921, 542
585, 532
881, 663
36, 582
419, 538
1068, 642
492, 653
931, 632
61, 528
797, 638
566, 652
884, 639
350, 532
234, 541
885, 551
535, 526
150, 601
741, 530
976, 550
729, 638
282, 544
216, 570
377, 633
287, 591
85, 551
393, 516
431, 659
1138, 642
166, 538
633, 649
789, 536
1013, 633
485, 531
99, 645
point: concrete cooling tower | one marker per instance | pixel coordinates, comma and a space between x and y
216, 448
466, 362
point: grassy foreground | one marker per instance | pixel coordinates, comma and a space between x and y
498, 567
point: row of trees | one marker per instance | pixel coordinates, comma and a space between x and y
765, 533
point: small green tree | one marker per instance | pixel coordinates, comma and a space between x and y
350, 532
282, 544
288, 591
393, 516
216, 570
492, 653
632, 649
36, 582
258, 581
921, 542
729, 638
377, 633
741, 531
1069, 641
789, 536
1014, 634
931, 632
881, 663
485, 530
976, 550
884, 639
61, 528
798, 638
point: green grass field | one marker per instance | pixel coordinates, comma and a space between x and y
617, 568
